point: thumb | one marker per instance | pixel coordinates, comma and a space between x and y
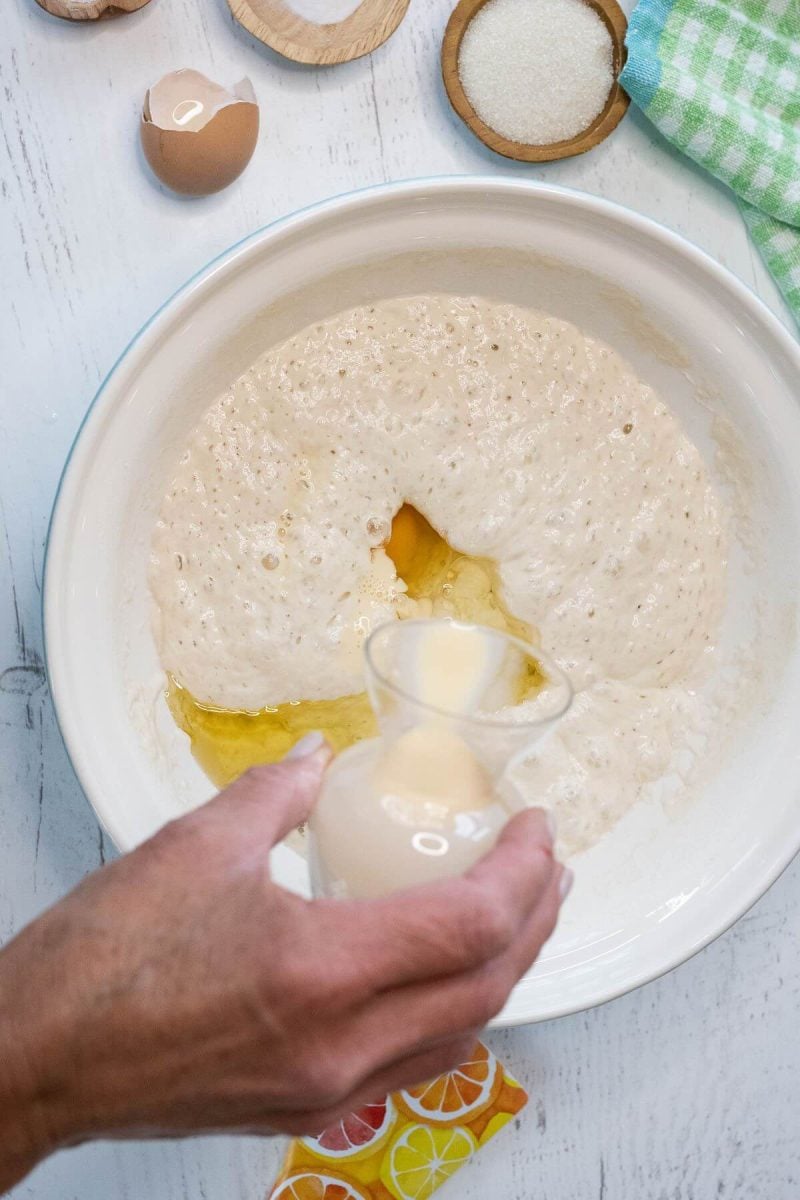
270, 801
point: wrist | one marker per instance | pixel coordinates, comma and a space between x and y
31, 1111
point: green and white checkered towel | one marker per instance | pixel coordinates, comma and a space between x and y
721, 80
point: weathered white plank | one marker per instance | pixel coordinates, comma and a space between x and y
686, 1090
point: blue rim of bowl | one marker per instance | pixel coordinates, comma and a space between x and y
663, 233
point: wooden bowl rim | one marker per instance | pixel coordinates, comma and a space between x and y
321, 50
604, 123
113, 8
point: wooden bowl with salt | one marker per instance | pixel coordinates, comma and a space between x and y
275, 24
600, 126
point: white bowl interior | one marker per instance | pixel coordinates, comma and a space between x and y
669, 876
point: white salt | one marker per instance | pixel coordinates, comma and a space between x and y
323, 12
537, 71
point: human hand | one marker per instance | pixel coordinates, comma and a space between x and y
179, 990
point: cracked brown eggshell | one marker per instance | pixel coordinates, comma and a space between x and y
196, 135
90, 10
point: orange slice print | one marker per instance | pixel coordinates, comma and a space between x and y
459, 1096
307, 1185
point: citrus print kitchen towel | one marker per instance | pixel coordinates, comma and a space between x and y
721, 80
408, 1145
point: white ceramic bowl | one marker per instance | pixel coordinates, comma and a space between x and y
667, 879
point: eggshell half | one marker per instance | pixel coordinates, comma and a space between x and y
198, 162
89, 10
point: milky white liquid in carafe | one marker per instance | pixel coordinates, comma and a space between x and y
416, 806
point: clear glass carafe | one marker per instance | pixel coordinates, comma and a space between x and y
457, 706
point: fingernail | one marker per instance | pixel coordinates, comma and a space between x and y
565, 886
307, 745
552, 827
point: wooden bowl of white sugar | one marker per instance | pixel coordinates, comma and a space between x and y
536, 80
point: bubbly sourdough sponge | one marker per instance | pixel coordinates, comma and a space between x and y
521, 440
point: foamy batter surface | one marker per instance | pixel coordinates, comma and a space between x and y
521, 440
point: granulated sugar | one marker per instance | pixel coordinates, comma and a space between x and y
537, 71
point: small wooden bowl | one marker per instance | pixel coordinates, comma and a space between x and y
607, 120
274, 24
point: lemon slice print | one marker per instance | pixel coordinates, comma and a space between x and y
422, 1157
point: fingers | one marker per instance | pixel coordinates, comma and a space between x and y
417, 1014
522, 859
271, 801
418, 1067
538, 929
396, 1023
457, 925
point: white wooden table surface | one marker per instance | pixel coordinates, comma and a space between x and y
686, 1090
